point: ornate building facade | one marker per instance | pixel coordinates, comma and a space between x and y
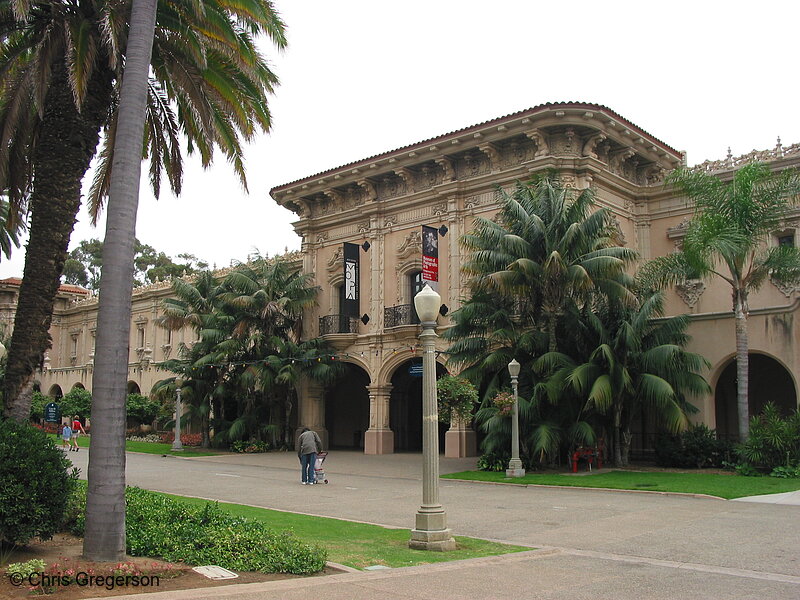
380, 204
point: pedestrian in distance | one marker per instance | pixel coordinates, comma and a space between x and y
66, 434
308, 444
77, 428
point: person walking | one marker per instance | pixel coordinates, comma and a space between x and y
77, 428
66, 434
308, 444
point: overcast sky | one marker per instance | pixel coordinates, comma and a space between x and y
363, 77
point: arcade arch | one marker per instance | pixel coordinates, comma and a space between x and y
405, 406
347, 409
133, 388
55, 392
769, 381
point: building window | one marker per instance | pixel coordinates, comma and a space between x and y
416, 284
786, 239
140, 337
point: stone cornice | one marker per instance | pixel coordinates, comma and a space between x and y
552, 132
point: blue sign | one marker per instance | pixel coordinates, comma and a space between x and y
415, 369
52, 413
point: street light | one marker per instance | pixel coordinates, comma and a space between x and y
515, 464
176, 443
431, 532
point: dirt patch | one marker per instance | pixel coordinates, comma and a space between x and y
71, 577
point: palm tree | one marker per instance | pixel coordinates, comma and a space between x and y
639, 362
727, 238
105, 498
58, 89
546, 248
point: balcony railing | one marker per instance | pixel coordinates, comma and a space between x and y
403, 314
330, 324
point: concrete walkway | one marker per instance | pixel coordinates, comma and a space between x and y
591, 543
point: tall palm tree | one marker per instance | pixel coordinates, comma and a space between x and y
546, 248
639, 362
727, 238
105, 498
60, 68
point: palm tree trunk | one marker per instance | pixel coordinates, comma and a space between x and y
105, 501
618, 436
67, 142
552, 321
742, 364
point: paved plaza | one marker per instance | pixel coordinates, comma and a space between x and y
588, 543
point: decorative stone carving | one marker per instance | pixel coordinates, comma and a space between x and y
363, 227
617, 159
539, 137
391, 186
369, 189
565, 143
590, 145
493, 153
440, 209
473, 163
322, 237
407, 176
336, 260
690, 291
654, 175
412, 244
447, 167
390, 221
787, 289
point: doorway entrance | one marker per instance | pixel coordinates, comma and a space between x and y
405, 413
347, 409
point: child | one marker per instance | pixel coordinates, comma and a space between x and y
66, 434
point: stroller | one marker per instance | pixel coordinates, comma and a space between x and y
319, 470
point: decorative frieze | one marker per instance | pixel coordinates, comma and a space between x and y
786, 288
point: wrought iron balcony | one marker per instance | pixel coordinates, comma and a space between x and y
403, 314
330, 324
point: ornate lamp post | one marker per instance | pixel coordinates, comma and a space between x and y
515, 464
431, 532
176, 444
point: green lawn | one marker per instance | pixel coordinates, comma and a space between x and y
359, 545
713, 484
148, 447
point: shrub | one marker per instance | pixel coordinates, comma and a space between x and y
35, 483
498, 461
141, 409
457, 397
250, 447
77, 402
157, 525
187, 439
774, 441
695, 448
38, 402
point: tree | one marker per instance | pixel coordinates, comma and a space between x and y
546, 248
638, 362
86, 260
104, 537
727, 238
209, 85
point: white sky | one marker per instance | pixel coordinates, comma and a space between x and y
362, 77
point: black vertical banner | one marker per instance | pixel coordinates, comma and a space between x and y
430, 256
350, 305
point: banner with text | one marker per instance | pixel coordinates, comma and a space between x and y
350, 305
430, 257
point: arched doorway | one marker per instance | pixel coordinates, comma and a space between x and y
405, 412
347, 409
769, 381
55, 392
78, 386
133, 388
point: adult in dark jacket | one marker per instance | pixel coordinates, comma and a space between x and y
308, 444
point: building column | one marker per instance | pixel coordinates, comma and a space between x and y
379, 439
460, 440
311, 409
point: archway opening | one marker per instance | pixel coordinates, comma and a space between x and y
405, 412
55, 392
133, 388
78, 386
769, 381
347, 409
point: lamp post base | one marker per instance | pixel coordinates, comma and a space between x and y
431, 533
515, 468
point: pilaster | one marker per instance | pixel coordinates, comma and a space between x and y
460, 441
379, 438
311, 409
